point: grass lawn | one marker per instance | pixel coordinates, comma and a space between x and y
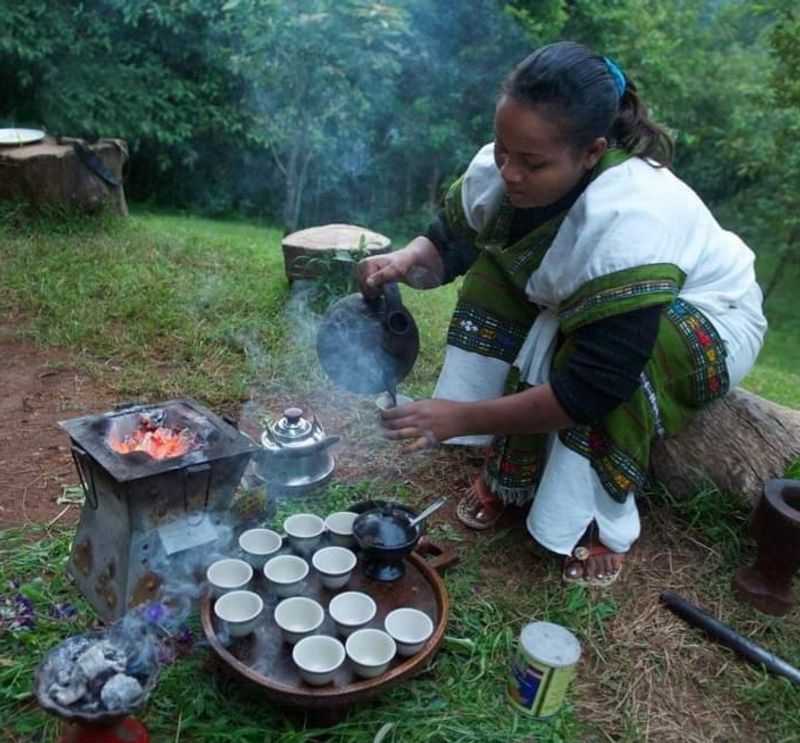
165, 306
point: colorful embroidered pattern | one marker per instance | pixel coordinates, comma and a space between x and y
473, 329
706, 348
612, 297
513, 474
687, 370
619, 473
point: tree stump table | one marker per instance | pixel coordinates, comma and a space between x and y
308, 254
67, 172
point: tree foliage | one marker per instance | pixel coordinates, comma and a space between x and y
308, 111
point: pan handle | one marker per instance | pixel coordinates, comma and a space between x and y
438, 555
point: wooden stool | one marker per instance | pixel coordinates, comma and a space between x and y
305, 251
54, 172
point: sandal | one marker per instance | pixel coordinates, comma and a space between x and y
581, 554
478, 500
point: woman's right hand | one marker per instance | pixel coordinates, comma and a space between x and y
417, 264
377, 270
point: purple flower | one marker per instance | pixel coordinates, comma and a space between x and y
154, 613
185, 636
475, 589
63, 610
17, 611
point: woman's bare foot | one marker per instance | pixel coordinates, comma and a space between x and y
479, 508
592, 563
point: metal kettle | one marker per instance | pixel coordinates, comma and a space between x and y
367, 345
296, 453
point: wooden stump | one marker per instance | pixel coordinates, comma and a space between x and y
307, 253
737, 443
50, 172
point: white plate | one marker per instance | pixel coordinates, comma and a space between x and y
20, 136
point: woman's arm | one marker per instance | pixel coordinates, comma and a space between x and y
535, 410
603, 371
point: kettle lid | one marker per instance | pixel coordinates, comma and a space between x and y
293, 430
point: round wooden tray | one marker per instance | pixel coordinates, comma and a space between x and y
265, 660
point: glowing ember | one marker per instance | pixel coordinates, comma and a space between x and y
160, 442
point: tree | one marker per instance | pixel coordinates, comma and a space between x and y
784, 173
311, 76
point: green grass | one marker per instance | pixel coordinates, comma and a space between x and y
157, 304
776, 376
160, 304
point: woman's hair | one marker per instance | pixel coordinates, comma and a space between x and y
578, 87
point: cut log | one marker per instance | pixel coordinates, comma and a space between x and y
307, 254
51, 172
737, 443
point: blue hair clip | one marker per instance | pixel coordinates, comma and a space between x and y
619, 77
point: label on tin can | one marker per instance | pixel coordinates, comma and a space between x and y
542, 669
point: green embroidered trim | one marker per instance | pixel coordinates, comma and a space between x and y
686, 371
487, 286
473, 329
618, 471
706, 350
454, 212
621, 291
513, 471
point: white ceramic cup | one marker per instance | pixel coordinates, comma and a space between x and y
318, 657
298, 617
370, 651
228, 574
258, 545
334, 565
286, 573
409, 628
239, 612
384, 401
351, 610
340, 528
304, 531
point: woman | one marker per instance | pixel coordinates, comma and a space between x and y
602, 306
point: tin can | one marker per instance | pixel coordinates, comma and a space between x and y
542, 669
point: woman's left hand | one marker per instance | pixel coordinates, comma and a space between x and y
427, 422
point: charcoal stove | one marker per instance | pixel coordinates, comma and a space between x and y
158, 480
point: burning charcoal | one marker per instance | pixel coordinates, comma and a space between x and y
69, 693
121, 692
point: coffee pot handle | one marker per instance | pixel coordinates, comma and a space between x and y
392, 301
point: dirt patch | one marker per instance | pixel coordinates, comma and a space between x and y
38, 388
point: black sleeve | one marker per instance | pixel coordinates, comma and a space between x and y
457, 253
607, 361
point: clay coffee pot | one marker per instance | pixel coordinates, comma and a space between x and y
367, 345
767, 584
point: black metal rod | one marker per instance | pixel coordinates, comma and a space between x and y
754, 652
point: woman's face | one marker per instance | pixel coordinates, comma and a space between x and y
537, 164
